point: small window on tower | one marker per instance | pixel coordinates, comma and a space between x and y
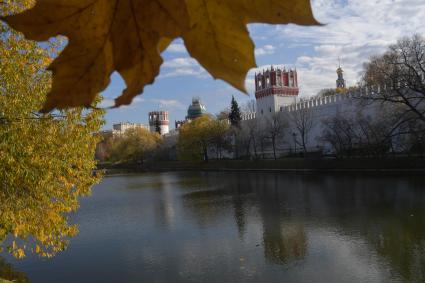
261, 111
270, 110
281, 108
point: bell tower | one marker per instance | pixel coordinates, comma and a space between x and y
340, 82
275, 88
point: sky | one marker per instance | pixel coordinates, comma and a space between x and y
352, 30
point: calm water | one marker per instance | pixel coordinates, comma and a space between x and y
247, 227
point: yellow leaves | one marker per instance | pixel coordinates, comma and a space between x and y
128, 36
197, 135
46, 162
135, 145
221, 34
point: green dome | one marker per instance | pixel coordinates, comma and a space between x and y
196, 109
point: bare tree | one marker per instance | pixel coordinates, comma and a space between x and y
339, 132
242, 141
363, 134
398, 76
252, 127
250, 106
303, 122
326, 92
373, 136
275, 125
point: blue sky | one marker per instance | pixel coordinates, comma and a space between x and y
354, 30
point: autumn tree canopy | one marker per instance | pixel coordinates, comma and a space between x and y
46, 160
128, 36
135, 145
200, 136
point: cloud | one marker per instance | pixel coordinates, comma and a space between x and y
183, 66
176, 48
265, 50
182, 62
354, 30
168, 103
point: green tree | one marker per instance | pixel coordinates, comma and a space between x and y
46, 160
235, 113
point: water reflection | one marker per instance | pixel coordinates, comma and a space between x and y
387, 214
246, 227
8, 272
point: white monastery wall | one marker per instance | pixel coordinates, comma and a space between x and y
346, 105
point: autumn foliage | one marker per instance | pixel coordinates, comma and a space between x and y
201, 136
46, 160
134, 146
128, 36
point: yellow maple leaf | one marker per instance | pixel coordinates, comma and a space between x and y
128, 36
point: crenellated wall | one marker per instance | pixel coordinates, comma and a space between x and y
320, 108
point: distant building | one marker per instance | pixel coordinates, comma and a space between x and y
120, 128
159, 122
275, 89
196, 109
340, 82
180, 123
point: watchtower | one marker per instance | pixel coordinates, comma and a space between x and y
158, 122
275, 88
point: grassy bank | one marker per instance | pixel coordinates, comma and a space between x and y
408, 165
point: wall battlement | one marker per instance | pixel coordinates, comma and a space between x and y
315, 102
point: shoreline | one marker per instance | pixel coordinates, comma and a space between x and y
393, 166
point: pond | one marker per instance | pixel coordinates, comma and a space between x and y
242, 227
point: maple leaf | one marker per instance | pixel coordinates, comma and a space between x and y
128, 36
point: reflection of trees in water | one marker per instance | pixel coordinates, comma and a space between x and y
388, 213
378, 209
9, 273
392, 221
401, 241
284, 239
208, 206
284, 245
216, 197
